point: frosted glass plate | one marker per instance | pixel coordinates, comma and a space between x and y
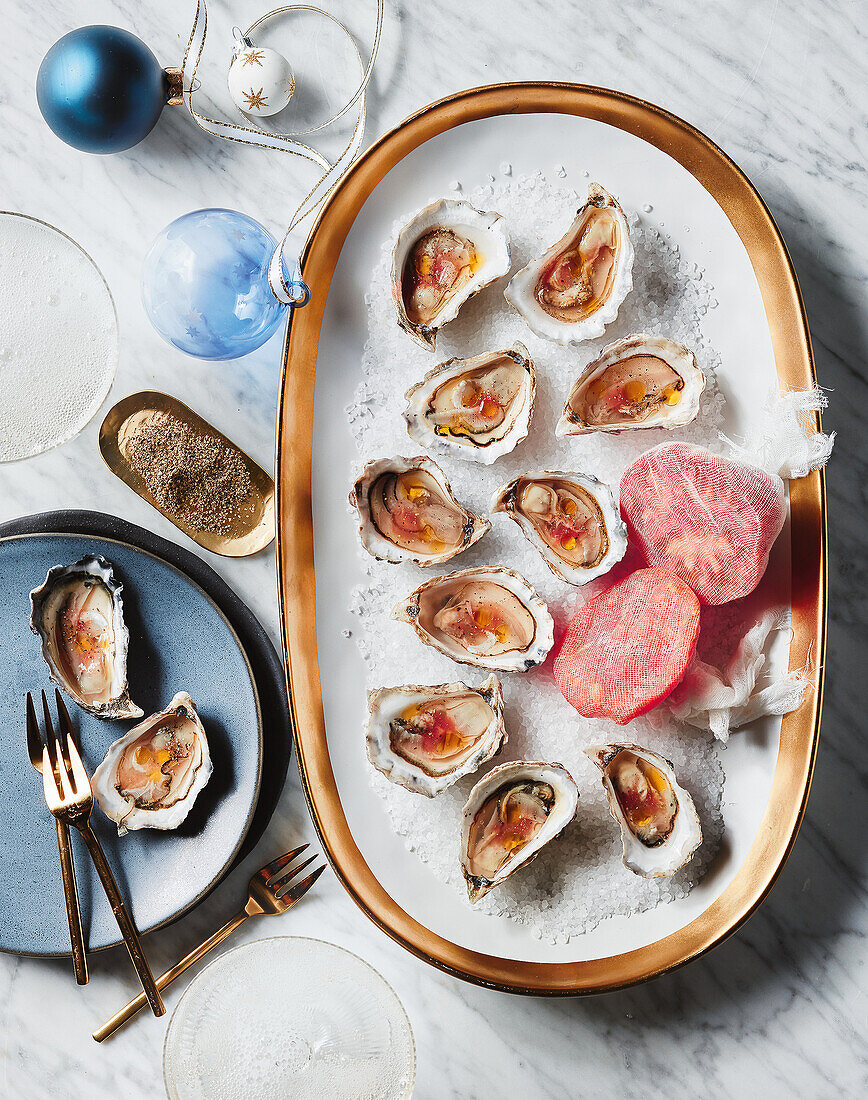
58, 337
289, 1017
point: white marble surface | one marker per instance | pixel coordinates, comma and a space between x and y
780, 1009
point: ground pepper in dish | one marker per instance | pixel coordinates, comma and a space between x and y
196, 477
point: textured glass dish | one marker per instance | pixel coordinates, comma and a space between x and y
289, 1017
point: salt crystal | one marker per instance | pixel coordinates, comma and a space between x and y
578, 880
506, 168
455, 185
560, 171
647, 207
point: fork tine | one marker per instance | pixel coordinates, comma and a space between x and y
34, 737
270, 869
79, 775
50, 738
293, 893
49, 780
63, 719
290, 873
66, 784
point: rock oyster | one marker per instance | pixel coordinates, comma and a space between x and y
660, 828
477, 409
575, 289
510, 815
639, 382
407, 512
487, 617
571, 518
444, 255
78, 614
150, 777
425, 738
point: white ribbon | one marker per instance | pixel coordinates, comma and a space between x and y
292, 291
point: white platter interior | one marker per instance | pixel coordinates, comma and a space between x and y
640, 175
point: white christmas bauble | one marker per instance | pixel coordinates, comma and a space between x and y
260, 81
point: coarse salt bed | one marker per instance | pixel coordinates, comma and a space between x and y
578, 879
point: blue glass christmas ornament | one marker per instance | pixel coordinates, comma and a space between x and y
100, 89
205, 284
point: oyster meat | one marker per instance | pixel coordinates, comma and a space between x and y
443, 256
79, 616
425, 738
477, 408
407, 513
659, 825
571, 518
511, 813
639, 382
487, 617
575, 289
151, 777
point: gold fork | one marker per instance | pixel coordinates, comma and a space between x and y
270, 893
67, 868
69, 797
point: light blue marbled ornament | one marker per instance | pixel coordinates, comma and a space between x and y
205, 284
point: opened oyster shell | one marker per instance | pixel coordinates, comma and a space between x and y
477, 409
639, 382
571, 518
79, 616
510, 815
151, 777
489, 617
659, 825
407, 512
443, 256
575, 289
425, 738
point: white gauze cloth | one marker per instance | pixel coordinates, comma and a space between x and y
785, 442
722, 699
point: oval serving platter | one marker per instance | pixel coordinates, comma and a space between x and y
760, 330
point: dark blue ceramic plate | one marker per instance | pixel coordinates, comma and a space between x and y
179, 640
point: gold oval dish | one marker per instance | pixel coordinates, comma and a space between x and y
254, 529
295, 550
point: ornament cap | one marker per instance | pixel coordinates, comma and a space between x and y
242, 41
175, 86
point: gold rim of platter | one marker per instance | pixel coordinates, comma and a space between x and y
295, 560
250, 534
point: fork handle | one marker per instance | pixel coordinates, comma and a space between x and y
130, 1010
70, 895
125, 921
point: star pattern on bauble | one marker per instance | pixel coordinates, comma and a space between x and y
255, 100
252, 57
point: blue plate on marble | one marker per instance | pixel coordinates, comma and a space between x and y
179, 640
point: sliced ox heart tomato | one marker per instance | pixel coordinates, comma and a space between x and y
627, 648
710, 520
